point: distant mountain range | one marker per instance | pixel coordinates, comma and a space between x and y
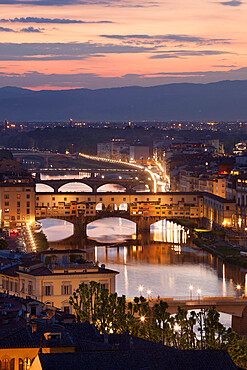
220, 101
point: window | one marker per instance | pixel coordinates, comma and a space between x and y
27, 363
21, 364
227, 208
112, 199
66, 289
28, 204
47, 290
124, 199
5, 364
18, 204
28, 211
6, 210
6, 196
30, 289
65, 199
6, 203
89, 199
18, 211
66, 309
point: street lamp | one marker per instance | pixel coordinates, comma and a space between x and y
191, 290
142, 318
176, 327
140, 289
238, 287
148, 293
199, 294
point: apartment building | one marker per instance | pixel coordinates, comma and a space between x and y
53, 283
17, 202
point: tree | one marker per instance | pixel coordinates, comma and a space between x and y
41, 241
111, 314
3, 244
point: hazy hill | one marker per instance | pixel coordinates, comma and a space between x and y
225, 100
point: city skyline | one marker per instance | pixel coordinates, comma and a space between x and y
50, 44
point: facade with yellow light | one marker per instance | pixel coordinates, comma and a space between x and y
17, 203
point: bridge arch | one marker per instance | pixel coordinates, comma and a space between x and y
107, 229
112, 207
56, 229
168, 231
44, 188
111, 187
141, 188
123, 207
74, 186
100, 207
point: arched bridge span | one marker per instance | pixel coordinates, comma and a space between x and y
95, 183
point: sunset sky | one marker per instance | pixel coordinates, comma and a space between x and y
60, 44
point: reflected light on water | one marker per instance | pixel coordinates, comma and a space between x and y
245, 289
168, 232
224, 280
56, 230
111, 230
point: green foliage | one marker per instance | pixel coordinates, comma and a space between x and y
75, 258
112, 314
41, 241
3, 244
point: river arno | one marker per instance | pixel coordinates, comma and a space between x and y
165, 261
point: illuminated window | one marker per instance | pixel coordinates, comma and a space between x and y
27, 363
5, 364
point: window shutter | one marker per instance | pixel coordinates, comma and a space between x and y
70, 289
62, 290
52, 290
43, 290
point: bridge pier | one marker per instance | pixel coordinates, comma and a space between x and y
239, 324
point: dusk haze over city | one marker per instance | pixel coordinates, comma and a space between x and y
123, 185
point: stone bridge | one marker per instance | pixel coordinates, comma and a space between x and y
81, 221
95, 183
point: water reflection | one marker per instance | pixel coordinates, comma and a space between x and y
168, 232
111, 230
167, 265
56, 230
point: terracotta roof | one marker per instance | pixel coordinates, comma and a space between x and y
10, 271
153, 359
